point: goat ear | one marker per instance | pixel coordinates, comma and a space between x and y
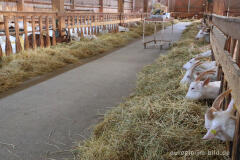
206, 82
210, 113
209, 135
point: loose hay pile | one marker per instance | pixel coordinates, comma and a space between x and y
20, 67
156, 122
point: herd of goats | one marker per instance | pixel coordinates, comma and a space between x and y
201, 76
72, 33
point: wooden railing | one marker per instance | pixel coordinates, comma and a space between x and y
225, 41
28, 23
44, 29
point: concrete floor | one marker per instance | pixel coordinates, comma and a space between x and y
51, 116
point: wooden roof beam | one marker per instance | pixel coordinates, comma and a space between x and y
58, 5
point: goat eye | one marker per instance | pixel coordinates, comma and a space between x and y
193, 88
190, 62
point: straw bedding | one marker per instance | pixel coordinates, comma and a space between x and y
20, 67
156, 122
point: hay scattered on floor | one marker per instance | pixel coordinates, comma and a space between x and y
17, 68
156, 121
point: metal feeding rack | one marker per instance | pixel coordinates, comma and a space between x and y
157, 42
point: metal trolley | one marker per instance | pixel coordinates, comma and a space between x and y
155, 40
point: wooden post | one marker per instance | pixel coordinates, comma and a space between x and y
72, 4
95, 26
89, 25
54, 30
34, 43
92, 22
85, 28
81, 28
73, 24
120, 6
48, 44
58, 6
26, 42
97, 29
101, 6
8, 47
18, 43
236, 140
1, 53
41, 32
145, 6
69, 26
20, 5
237, 53
78, 27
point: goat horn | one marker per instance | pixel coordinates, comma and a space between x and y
205, 73
196, 64
201, 58
217, 102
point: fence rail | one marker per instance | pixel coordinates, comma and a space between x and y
225, 41
24, 30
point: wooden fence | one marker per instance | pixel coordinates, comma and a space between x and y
225, 41
44, 29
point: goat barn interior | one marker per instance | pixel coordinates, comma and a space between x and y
119, 79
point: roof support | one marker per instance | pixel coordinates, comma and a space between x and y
145, 6
72, 4
120, 6
20, 5
101, 6
58, 5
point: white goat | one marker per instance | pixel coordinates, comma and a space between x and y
123, 29
220, 124
90, 37
188, 77
203, 90
208, 53
20, 25
201, 34
198, 68
194, 60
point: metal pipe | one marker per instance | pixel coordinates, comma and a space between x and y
189, 4
228, 8
168, 6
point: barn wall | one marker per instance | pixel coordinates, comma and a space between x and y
220, 7
33, 5
138, 5
89, 5
8, 6
182, 5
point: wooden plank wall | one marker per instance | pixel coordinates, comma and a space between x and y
225, 41
109, 6
224, 7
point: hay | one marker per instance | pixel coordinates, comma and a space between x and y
17, 68
156, 121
